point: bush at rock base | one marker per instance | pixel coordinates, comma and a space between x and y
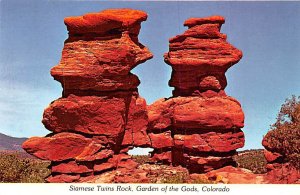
253, 160
15, 169
284, 135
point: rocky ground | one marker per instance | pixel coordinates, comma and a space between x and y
153, 173
147, 172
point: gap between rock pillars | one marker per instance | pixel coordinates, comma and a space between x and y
140, 151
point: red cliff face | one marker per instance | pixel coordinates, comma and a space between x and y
204, 122
101, 115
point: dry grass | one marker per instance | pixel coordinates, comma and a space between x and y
16, 169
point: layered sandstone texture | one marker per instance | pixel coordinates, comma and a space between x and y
101, 115
200, 126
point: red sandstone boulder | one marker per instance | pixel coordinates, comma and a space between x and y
70, 167
100, 65
128, 164
217, 113
161, 140
101, 50
110, 163
200, 56
210, 142
90, 154
203, 31
64, 146
88, 114
194, 59
104, 166
105, 20
196, 112
206, 20
123, 175
197, 164
63, 178
233, 175
165, 157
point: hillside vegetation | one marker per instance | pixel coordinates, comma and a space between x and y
16, 169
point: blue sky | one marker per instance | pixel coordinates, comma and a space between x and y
32, 34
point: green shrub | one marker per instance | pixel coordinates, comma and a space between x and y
14, 169
253, 160
284, 136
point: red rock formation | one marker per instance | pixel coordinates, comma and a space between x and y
204, 122
101, 50
195, 112
101, 113
200, 57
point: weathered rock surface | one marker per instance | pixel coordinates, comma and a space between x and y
232, 175
89, 114
162, 156
210, 142
201, 56
106, 20
196, 112
59, 147
70, 167
63, 178
161, 140
101, 50
206, 20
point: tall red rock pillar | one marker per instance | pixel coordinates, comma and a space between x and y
101, 114
200, 124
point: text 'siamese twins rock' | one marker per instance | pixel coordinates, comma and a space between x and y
203, 122
101, 114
